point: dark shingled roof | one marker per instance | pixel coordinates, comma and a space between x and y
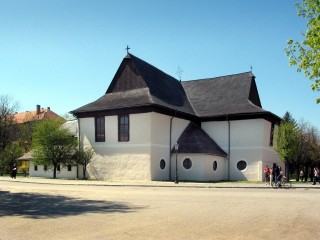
139, 85
195, 140
227, 95
136, 84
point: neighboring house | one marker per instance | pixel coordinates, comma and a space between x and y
62, 171
38, 114
222, 131
27, 120
24, 162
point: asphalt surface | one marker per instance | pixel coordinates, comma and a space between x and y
36, 208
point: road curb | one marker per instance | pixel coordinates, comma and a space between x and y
155, 184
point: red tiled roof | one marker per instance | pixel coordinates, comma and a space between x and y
30, 116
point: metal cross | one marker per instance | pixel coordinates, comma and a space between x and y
127, 48
179, 73
251, 68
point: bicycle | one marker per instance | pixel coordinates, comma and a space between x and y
283, 183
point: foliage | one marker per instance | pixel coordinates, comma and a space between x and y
287, 142
52, 145
8, 157
83, 157
309, 149
289, 119
7, 122
297, 145
306, 55
8, 131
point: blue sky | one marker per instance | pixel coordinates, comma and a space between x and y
64, 53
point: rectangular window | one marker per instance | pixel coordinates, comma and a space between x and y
58, 168
271, 134
35, 167
99, 129
69, 168
123, 128
45, 168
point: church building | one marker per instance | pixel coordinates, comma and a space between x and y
150, 126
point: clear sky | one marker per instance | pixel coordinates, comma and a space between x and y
64, 53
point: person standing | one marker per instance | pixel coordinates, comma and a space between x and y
266, 174
276, 174
301, 175
315, 175
270, 175
14, 172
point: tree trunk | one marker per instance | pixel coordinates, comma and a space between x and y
54, 171
84, 171
306, 173
297, 174
287, 170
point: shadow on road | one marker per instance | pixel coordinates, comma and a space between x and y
34, 205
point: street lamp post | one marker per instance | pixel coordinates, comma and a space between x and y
176, 147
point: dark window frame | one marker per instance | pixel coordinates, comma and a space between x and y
100, 131
35, 167
242, 165
123, 128
162, 164
69, 168
45, 168
214, 166
187, 163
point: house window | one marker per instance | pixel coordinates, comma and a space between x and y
214, 166
35, 167
162, 164
58, 168
99, 129
45, 168
69, 168
187, 163
123, 128
241, 165
271, 134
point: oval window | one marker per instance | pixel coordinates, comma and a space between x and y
187, 163
214, 166
241, 165
162, 164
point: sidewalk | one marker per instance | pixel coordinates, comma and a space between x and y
307, 185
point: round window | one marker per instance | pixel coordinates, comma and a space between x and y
214, 166
187, 163
162, 164
241, 165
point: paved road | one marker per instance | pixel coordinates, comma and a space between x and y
54, 211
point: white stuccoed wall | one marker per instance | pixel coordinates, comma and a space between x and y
202, 167
160, 139
140, 157
64, 173
249, 142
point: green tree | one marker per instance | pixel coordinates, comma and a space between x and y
8, 157
287, 144
309, 148
52, 145
306, 54
8, 129
7, 122
83, 157
289, 118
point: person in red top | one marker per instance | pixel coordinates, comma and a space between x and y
266, 171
